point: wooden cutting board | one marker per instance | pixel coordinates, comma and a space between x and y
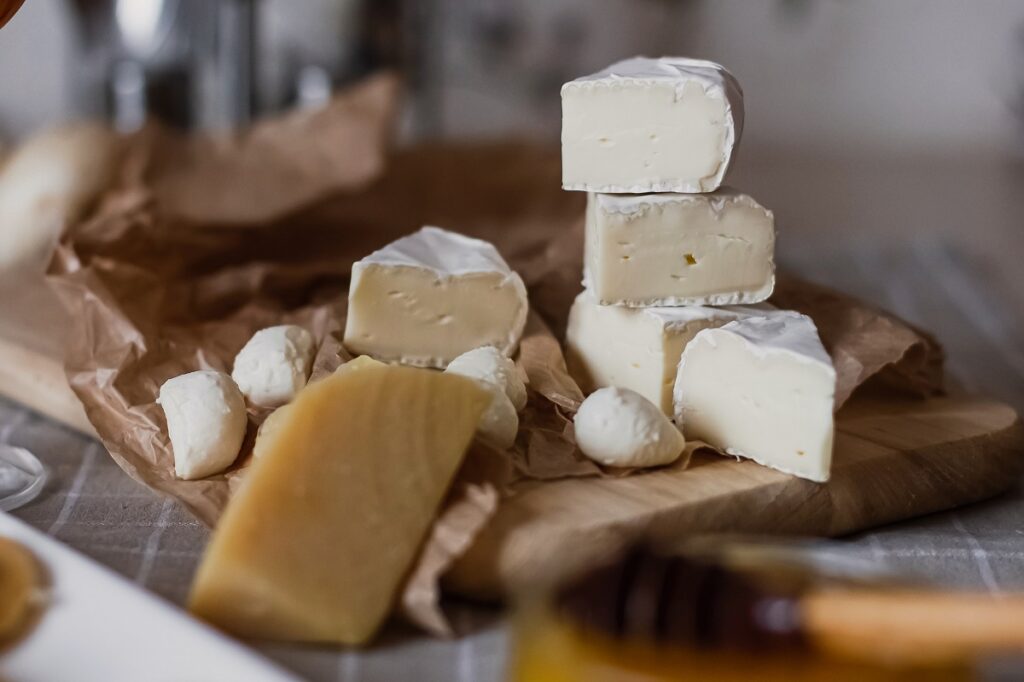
894, 459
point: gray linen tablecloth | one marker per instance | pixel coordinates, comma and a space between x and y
92, 506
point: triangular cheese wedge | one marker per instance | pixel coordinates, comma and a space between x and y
316, 542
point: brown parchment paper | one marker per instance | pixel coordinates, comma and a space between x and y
203, 240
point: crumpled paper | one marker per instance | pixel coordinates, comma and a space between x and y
202, 241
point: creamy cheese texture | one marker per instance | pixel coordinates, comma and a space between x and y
637, 348
762, 388
486, 365
425, 299
492, 366
679, 249
206, 422
619, 427
650, 125
274, 365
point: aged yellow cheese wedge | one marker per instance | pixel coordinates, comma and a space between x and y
19, 583
316, 542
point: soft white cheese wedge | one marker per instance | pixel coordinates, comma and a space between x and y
762, 388
637, 348
274, 365
429, 297
619, 427
679, 249
492, 366
206, 422
650, 125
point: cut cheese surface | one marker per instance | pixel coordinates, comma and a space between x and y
427, 298
637, 348
679, 249
762, 388
650, 125
318, 538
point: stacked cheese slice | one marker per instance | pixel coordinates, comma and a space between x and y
677, 267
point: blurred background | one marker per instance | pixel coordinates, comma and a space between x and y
829, 77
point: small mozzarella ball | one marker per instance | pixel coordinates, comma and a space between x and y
619, 427
490, 364
499, 424
274, 365
206, 421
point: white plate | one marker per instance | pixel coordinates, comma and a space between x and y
98, 626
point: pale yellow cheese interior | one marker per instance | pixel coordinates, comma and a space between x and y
316, 542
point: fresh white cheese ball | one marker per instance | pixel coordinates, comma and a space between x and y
495, 372
274, 365
499, 423
206, 421
489, 364
621, 428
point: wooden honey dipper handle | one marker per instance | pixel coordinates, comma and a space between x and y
912, 625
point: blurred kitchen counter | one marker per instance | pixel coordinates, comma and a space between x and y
939, 241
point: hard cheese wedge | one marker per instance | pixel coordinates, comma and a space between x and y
763, 388
679, 249
637, 348
316, 542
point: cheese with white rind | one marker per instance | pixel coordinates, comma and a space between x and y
651, 125
637, 348
679, 249
425, 299
619, 427
491, 365
761, 388
274, 364
206, 422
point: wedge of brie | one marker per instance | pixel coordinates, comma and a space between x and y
762, 388
637, 348
425, 299
679, 249
650, 125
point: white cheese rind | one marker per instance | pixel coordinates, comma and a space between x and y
206, 422
679, 249
274, 365
619, 427
637, 348
425, 299
651, 125
761, 388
